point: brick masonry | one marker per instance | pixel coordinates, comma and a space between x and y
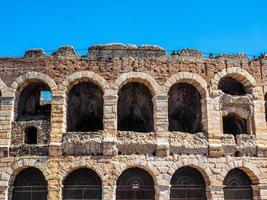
109, 152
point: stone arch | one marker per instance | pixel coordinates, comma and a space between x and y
25, 79
135, 182
83, 76
16, 167
79, 180
139, 77
191, 83
29, 79
191, 78
151, 171
184, 180
252, 171
237, 73
194, 163
65, 172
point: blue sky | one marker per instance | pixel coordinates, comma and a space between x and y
228, 26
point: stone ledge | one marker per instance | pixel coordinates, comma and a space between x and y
186, 143
82, 143
136, 143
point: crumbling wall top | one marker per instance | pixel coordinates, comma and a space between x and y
120, 50
233, 58
65, 52
34, 53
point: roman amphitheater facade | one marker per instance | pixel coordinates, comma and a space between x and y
126, 122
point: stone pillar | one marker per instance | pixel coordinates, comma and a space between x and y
3, 192
6, 118
58, 124
161, 125
214, 192
260, 127
110, 112
162, 192
54, 190
110, 123
108, 192
260, 191
54, 193
214, 125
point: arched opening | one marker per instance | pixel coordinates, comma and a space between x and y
30, 184
231, 86
234, 125
135, 108
237, 185
184, 108
30, 135
83, 183
34, 102
85, 108
135, 184
187, 184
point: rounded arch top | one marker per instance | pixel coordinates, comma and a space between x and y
252, 171
23, 80
151, 171
83, 76
190, 78
9, 175
237, 73
139, 77
65, 172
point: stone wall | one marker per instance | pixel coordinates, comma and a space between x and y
110, 151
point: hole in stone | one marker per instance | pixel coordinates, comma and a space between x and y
30, 135
231, 86
135, 108
238, 154
235, 125
34, 102
85, 108
184, 108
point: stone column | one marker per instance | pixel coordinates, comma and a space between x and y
214, 192
260, 127
260, 191
162, 192
58, 124
108, 192
6, 118
54, 190
161, 125
3, 192
214, 125
54, 193
110, 123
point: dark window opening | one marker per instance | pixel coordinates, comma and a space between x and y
237, 185
231, 86
82, 184
135, 108
235, 125
30, 184
184, 107
30, 135
85, 108
30, 104
187, 184
135, 184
